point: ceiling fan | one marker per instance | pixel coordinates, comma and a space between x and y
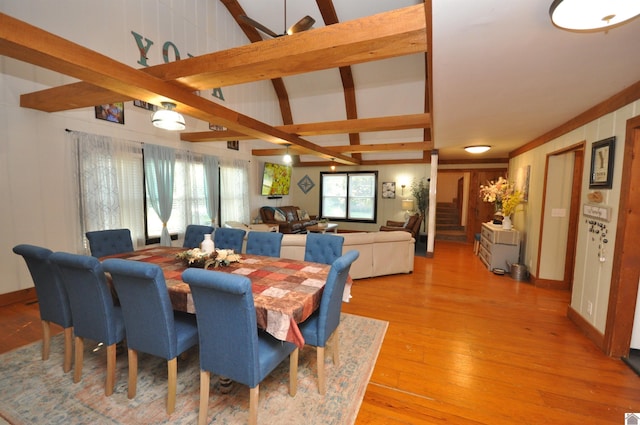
300, 26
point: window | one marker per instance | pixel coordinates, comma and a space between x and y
349, 196
234, 191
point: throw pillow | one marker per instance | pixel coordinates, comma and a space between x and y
303, 215
279, 216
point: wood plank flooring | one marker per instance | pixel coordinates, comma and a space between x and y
464, 346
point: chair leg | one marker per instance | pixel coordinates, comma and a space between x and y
132, 355
172, 373
204, 397
79, 352
253, 404
68, 349
293, 373
46, 339
110, 381
320, 367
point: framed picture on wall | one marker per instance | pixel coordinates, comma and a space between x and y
389, 190
602, 158
113, 112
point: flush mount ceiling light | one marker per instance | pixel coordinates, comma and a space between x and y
167, 118
592, 15
287, 158
477, 148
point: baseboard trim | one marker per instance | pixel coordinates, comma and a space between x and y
23, 295
548, 283
586, 328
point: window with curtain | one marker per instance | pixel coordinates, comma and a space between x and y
234, 191
349, 196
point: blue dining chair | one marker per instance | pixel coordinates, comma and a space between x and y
227, 238
230, 343
108, 242
323, 248
194, 235
94, 315
151, 325
323, 323
264, 243
52, 298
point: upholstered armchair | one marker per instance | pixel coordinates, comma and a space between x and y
412, 225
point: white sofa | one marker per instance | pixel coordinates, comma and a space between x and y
381, 253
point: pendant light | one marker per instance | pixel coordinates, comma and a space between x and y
167, 118
592, 15
287, 158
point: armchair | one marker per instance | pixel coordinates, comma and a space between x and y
412, 225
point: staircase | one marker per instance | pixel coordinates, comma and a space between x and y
448, 223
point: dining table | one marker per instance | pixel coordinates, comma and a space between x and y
285, 291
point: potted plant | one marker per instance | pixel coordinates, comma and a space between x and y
420, 191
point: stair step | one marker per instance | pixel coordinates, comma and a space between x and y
450, 227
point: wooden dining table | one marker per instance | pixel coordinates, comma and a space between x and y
285, 291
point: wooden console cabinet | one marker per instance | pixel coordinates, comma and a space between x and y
498, 247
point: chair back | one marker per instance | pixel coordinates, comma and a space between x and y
227, 238
264, 243
95, 316
194, 235
108, 242
146, 307
331, 302
227, 326
52, 297
323, 247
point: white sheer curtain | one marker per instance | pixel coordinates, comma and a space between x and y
159, 166
109, 175
211, 187
234, 191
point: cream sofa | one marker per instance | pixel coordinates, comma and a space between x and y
381, 253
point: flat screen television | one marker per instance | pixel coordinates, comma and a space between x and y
276, 179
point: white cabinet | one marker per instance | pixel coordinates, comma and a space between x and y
498, 247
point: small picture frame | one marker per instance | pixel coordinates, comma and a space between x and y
144, 105
233, 144
113, 112
602, 159
388, 190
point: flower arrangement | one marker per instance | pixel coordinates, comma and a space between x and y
510, 202
197, 258
503, 194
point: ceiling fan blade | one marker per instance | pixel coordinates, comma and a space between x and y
302, 25
258, 26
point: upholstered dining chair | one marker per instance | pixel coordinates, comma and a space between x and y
323, 324
323, 247
194, 235
94, 315
228, 238
264, 243
225, 312
108, 242
52, 298
151, 325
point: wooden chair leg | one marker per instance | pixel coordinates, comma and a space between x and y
204, 397
132, 356
320, 367
172, 373
46, 339
68, 349
110, 381
253, 404
335, 346
293, 373
79, 352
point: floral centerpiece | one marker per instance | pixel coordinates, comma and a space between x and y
197, 258
503, 195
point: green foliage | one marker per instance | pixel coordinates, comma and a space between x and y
420, 191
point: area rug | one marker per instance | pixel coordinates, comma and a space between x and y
33, 391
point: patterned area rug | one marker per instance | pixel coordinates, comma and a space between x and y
37, 392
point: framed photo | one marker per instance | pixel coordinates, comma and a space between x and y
602, 157
233, 144
522, 181
388, 190
144, 105
113, 112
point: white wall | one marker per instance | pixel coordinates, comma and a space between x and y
592, 278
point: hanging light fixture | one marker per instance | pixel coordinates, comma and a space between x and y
477, 148
167, 118
333, 164
287, 158
592, 15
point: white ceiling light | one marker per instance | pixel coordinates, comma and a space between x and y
287, 158
168, 119
592, 15
477, 148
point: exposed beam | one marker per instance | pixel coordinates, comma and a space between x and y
380, 147
385, 35
33, 45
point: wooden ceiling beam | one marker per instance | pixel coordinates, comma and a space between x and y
380, 147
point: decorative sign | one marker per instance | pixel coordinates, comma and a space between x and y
596, 211
306, 184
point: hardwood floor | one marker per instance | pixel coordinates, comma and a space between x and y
464, 346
